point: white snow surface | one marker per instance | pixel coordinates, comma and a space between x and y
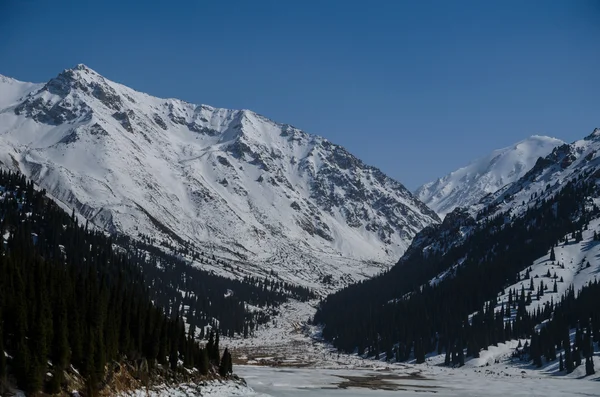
232, 182
409, 381
11, 90
467, 185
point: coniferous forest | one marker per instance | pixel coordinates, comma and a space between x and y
72, 299
402, 315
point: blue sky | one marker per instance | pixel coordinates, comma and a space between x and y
416, 88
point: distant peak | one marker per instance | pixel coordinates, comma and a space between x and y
594, 135
6, 79
538, 140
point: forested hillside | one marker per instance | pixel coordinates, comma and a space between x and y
72, 299
444, 294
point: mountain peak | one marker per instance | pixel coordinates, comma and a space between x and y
80, 72
81, 66
6, 79
594, 135
231, 181
467, 185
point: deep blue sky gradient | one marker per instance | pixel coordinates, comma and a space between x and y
416, 88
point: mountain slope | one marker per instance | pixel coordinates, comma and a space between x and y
236, 184
467, 185
12, 90
480, 276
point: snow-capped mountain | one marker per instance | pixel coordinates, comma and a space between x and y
538, 233
253, 191
567, 166
467, 185
567, 163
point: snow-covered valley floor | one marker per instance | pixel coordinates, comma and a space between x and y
405, 380
296, 364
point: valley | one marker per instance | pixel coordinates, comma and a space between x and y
319, 273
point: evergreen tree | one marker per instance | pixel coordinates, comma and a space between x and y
568, 358
3, 369
577, 356
561, 365
225, 365
204, 361
589, 366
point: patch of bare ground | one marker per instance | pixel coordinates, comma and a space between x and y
389, 382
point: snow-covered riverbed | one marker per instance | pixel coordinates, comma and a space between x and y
305, 367
293, 382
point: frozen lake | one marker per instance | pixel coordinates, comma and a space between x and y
293, 382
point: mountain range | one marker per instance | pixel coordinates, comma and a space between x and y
505, 248
263, 195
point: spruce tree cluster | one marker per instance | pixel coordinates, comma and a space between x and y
68, 297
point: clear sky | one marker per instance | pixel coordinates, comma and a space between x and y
417, 88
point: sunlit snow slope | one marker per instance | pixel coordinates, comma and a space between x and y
467, 185
232, 182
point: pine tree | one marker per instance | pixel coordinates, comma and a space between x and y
589, 366
447, 357
577, 356
162, 345
568, 357
561, 365
225, 365
230, 363
60, 347
22, 364
3, 371
587, 348
552, 255
215, 354
174, 352
204, 361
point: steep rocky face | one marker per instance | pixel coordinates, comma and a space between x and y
230, 181
467, 185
